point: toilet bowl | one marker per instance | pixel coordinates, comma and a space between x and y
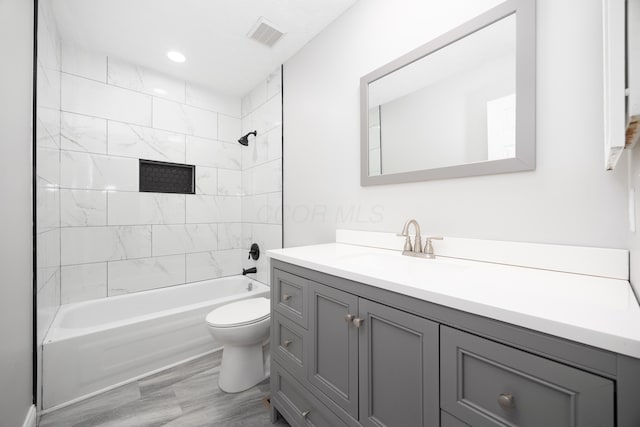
241, 327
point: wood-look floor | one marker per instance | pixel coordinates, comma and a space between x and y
183, 396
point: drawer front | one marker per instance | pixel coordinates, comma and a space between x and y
484, 383
296, 404
288, 342
289, 296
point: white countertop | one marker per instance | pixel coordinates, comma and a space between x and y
601, 312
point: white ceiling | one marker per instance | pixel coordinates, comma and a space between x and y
212, 34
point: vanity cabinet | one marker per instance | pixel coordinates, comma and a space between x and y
345, 353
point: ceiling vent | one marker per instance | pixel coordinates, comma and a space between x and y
265, 32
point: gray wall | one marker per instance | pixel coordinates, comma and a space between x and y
16, 41
568, 199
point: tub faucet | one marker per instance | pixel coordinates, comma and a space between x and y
246, 271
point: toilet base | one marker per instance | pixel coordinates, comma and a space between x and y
242, 367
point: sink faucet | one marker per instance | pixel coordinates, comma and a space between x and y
416, 248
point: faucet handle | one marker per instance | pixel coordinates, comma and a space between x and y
407, 241
428, 247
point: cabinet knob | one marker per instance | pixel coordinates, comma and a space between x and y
286, 297
305, 414
286, 343
358, 322
349, 318
506, 401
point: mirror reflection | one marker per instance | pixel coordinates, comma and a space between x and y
454, 106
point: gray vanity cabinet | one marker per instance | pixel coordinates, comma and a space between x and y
347, 354
332, 362
398, 355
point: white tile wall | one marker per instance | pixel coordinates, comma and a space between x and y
48, 208
114, 239
184, 238
200, 97
132, 208
92, 98
48, 127
140, 79
83, 133
262, 171
83, 245
176, 117
206, 180
229, 182
207, 265
145, 143
83, 208
230, 236
98, 172
48, 85
229, 128
211, 153
47, 155
208, 209
83, 63
143, 274
83, 282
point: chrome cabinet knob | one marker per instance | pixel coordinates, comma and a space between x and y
358, 322
286, 297
305, 414
286, 343
349, 318
506, 401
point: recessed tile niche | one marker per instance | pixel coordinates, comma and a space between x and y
161, 177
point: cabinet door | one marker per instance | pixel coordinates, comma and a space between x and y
332, 358
398, 368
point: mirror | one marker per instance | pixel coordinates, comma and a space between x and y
461, 105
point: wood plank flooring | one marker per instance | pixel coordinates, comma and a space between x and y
184, 396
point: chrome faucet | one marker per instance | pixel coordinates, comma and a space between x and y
416, 248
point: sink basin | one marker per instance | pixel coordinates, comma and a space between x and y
389, 262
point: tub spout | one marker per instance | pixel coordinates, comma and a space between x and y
246, 271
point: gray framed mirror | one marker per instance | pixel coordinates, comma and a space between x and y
461, 105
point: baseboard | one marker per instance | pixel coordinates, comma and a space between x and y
30, 419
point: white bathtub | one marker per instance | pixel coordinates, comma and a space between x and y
96, 345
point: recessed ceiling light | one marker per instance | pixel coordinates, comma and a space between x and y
176, 56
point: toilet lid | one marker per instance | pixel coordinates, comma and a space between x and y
240, 313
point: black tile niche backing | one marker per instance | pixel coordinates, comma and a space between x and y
161, 177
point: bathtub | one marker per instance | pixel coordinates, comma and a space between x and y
96, 345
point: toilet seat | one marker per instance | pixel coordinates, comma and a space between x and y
240, 313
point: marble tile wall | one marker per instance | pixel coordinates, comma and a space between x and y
262, 170
48, 193
112, 238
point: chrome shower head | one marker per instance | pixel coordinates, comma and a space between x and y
245, 139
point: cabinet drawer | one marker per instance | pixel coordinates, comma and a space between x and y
298, 406
288, 342
484, 383
289, 296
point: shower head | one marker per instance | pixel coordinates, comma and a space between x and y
245, 139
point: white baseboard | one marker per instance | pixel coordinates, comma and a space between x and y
30, 419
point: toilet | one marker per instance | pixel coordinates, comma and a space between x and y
242, 328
